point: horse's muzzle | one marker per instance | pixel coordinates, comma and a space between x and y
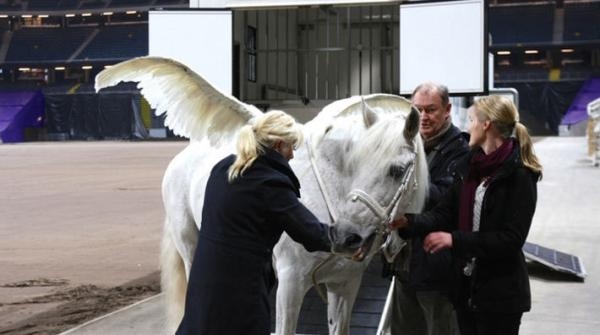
364, 248
345, 240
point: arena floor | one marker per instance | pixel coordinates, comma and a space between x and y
89, 213
77, 219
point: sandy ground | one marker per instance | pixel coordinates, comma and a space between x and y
80, 226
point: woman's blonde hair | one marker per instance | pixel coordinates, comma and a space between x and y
503, 114
263, 133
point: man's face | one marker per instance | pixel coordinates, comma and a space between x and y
433, 114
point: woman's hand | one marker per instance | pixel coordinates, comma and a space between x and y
437, 241
399, 223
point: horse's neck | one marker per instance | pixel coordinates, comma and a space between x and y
313, 195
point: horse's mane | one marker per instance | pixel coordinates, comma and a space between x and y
388, 103
381, 141
347, 110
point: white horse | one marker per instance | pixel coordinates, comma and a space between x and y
360, 166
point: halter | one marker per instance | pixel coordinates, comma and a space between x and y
387, 214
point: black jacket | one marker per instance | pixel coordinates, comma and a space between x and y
231, 273
500, 281
433, 271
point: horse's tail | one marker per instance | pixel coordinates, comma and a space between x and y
173, 281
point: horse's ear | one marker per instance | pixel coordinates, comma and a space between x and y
369, 115
411, 127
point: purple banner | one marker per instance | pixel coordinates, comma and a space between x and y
577, 112
20, 110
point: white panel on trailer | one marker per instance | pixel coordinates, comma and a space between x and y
443, 42
200, 39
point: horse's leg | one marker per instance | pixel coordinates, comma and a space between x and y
290, 294
173, 281
290, 263
184, 233
177, 251
341, 297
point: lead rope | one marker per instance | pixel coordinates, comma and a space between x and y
328, 203
332, 216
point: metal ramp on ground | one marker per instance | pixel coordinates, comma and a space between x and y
554, 259
366, 313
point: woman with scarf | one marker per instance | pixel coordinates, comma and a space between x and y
484, 220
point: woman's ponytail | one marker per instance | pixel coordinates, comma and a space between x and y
247, 152
529, 158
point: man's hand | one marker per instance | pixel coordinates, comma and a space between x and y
437, 241
399, 223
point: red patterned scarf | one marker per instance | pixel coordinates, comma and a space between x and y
482, 166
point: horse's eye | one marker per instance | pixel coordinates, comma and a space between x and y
396, 171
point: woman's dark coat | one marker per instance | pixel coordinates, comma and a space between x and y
231, 274
500, 282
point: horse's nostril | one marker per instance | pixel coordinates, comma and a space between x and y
352, 239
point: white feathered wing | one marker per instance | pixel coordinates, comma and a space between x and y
194, 108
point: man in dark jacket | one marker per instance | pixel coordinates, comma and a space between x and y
421, 305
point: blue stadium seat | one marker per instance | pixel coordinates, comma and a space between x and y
93, 4
532, 24
131, 3
582, 22
42, 5
68, 4
117, 43
46, 44
182, 3
10, 6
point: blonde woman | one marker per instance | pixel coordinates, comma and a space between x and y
251, 199
485, 218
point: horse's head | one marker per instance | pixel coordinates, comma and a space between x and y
377, 157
